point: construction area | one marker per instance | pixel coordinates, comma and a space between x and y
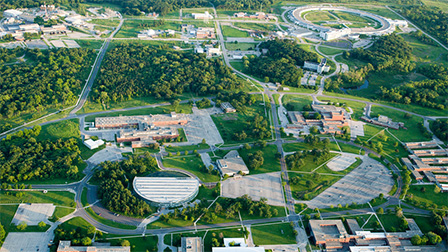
32, 214
268, 185
361, 185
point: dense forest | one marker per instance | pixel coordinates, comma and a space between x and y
24, 158
138, 70
55, 77
440, 129
280, 62
434, 21
115, 178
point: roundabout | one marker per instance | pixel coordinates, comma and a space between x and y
333, 22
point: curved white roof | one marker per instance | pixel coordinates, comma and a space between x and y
166, 189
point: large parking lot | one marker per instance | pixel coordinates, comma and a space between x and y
361, 185
32, 214
268, 185
27, 242
201, 126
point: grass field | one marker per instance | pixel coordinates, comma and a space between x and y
441, 4
58, 198
375, 9
390, 222
257, 26
271, 163
60, 130
318, 16
60, 212
240, 46
92, 44
411, 134
428, 196
107, 221
182, 149
228, 31
297, 101
310, 165
6, 214
145, 243
114, 22
307, 191
228, 124
193, 164
131, 27
424, 53
329, 51
272, 234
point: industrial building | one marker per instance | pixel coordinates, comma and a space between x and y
227, 107
383, 121
142, 130
328, 33
232, 164
320, 68
333, 119
204, 15
236, 245
191, 244
65, 246
205, 33
257, 15
428, 160
333, 235
91, 144
166, 191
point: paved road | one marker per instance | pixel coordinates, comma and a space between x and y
96, 67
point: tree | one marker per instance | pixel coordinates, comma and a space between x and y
22, 226
125, 243
2, 232
42, 225
175, 104
380, 210
433, 238
416, 240
203, 141
86, 241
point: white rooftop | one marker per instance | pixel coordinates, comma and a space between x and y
166, 189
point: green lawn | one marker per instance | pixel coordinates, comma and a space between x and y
182, 149
390, 222
310, 165
60, 130
6, 214
411, 134
114, 22
441, 4
428, 196
145, 243
318, 16
107, 221
296, 101
240, 46
271, 163
273, 234
91, 43
131, 27
58, 198
329, 51
308, 191
257, 26
84, 197
300, 146
60, 212
206, 193
225, 233
387, 80
192, 164
228, 31
424, 53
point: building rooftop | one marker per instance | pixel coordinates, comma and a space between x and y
328, 229
191, 244
232, 163
166, 190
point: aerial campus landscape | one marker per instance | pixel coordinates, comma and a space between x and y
223, 125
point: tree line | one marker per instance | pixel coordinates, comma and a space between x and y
133, 70
116, 179
54, 76
440, 129
280, 62
24, 158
